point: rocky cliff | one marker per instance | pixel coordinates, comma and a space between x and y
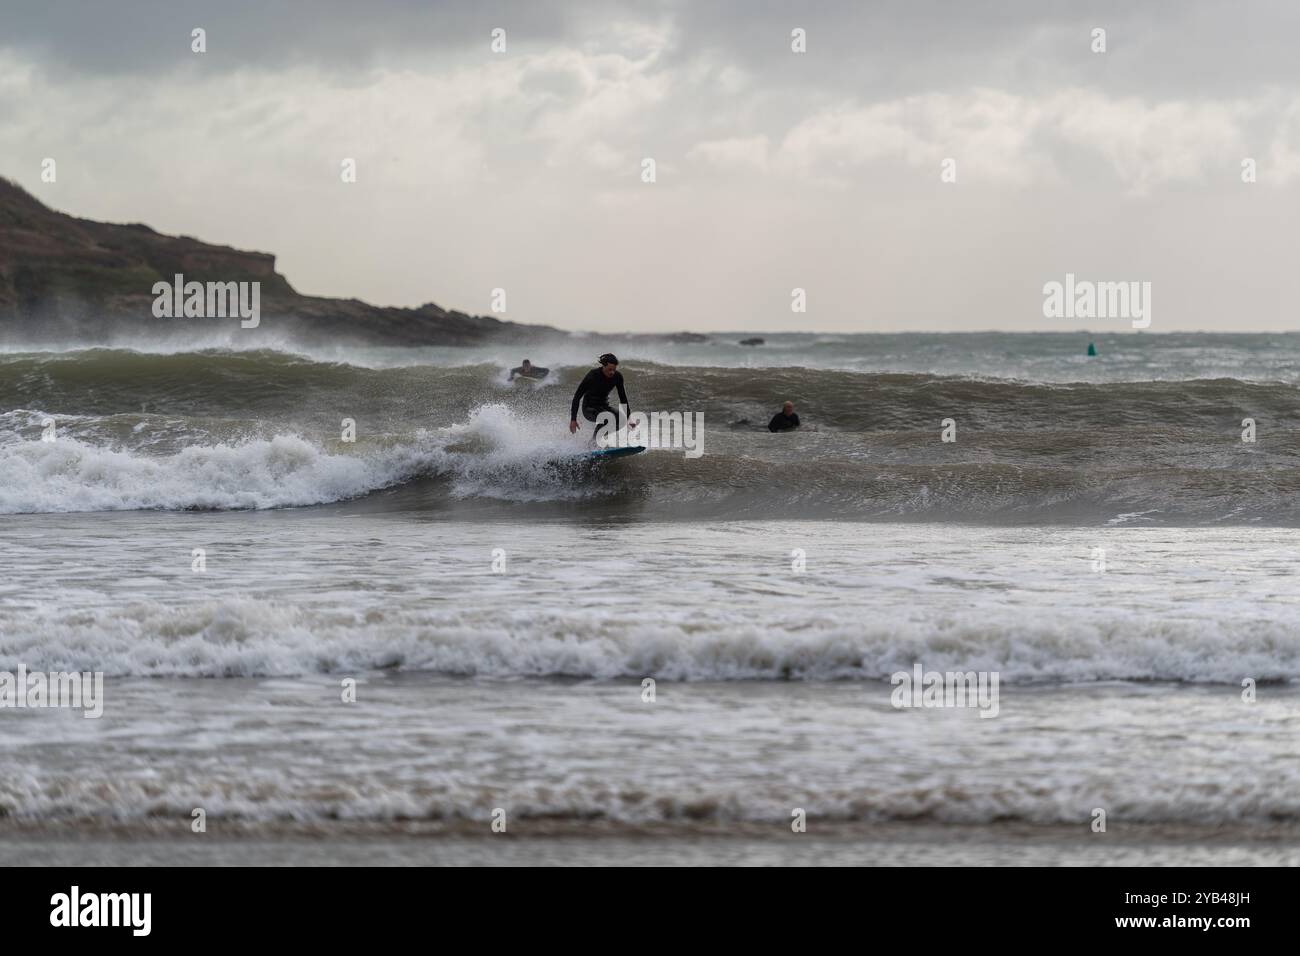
64, 279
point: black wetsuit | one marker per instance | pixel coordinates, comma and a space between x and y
781, 422
534, 371
593, 392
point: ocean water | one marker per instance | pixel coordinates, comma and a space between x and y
1098, 537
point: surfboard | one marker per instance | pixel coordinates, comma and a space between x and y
615, 452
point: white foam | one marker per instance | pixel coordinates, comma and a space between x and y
262, 795
244, 636
501, 454
69, 475
495, 453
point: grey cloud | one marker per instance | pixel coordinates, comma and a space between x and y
868, 49
523, 171
137, 36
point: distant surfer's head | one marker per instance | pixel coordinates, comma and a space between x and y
788, 407
608, 363
526, 364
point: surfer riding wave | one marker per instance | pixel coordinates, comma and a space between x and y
593, 395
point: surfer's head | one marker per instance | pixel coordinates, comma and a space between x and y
525, 364
608, 363
788, 407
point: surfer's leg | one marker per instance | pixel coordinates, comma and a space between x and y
593, 413
590, 414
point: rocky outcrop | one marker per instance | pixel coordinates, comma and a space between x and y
74, 280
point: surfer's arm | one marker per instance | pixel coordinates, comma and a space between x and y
622, 396
577, 397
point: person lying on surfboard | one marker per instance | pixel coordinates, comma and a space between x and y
528, 370
593, 393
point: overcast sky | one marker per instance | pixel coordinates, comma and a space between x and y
775, 169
